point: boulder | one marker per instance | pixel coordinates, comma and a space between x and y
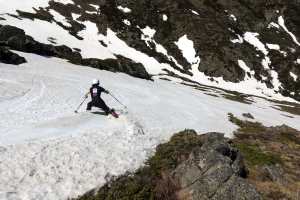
120, 64
214, 171
8, 31
8, 57
26, 43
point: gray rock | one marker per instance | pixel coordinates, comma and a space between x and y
274, 173
120, 64
8, 57
9, 31
215, 171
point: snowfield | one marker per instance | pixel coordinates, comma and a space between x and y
91, 48
49, 152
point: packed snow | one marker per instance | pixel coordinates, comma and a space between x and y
165, 17
124, 9
273, 46
247, 70
294, 76
48, 152
27, 5
90, 46
252, 38
233, 17
187, 48
194, 12
281, 22
127, 22
148, 37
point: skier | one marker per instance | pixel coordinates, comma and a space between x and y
97, 101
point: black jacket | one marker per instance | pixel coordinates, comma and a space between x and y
96, 91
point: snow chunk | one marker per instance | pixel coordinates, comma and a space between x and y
238, 40
282, 24
251, 38
124, 9
127, 22
294, 76
165, 17
75, 16
91, 12
64, 1
233, 17
187, 48
97, 7
148, 34
59, 18
243, 65
25, 5
298, 61
272, 24
277, 48
273, 46
119, 47
194, 12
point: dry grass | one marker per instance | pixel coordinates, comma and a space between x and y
270, 146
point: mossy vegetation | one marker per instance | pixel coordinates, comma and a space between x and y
246, 126
153, 180
276, 148
295, 110
168, 155
254, 156
238, 98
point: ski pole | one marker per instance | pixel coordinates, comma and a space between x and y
117, 100
76, 111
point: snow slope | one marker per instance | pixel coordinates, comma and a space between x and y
91, 48
49, 152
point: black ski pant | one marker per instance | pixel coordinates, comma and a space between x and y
99, 104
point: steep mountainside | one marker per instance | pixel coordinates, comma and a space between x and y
247, 46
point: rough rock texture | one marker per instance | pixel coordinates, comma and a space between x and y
214, 171
120, 64
189, 167
9, 57
16, 39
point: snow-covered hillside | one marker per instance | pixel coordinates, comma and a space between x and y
247, 59
197, 54
49, 152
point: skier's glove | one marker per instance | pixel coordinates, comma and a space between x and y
86, 96
107, 92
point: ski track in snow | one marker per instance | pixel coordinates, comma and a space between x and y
48, 152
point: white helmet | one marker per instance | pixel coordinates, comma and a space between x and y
96, 82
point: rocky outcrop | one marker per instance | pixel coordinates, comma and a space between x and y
211, 25
214, 171
8, 57
7, 32
272, 157
189, 167
120, 64
16, 39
